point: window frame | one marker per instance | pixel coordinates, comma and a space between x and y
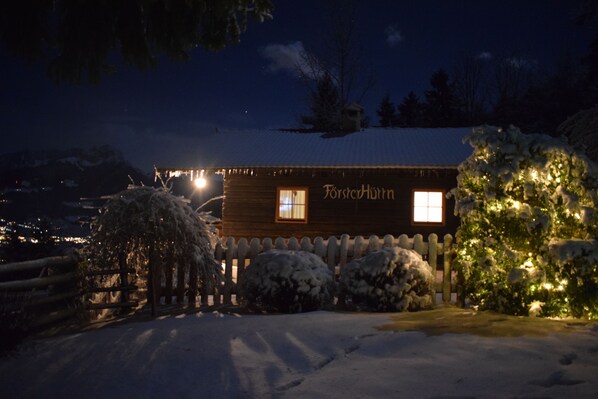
278, 218
443, 208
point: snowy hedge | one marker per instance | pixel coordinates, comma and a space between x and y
287, 281
528, 223
392, 279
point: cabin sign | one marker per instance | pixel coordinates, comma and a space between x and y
366, 192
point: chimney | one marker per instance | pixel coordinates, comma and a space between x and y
351, 118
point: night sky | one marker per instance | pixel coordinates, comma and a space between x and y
252, 84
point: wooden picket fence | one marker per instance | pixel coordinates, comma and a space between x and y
171, 287
235, 256
55, 288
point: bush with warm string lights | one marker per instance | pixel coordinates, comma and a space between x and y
527, 240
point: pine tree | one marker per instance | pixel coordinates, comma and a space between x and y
387, 113
410, 111
326, 107
440, 109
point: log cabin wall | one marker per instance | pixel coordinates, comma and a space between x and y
249, 207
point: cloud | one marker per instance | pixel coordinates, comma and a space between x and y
484, 55
521, 63
393, 36
285, 57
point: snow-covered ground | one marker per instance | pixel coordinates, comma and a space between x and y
452, 354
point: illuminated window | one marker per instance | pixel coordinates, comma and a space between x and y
428, 206
291, 204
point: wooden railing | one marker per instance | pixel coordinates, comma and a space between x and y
47, 289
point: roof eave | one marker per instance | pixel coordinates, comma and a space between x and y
287, 166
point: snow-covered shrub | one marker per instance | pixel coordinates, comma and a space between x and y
528, 207
287, 281
391, 279
142, 222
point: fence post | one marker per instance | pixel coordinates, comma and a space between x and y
404, 241
306, 245
124, 276
168, 279
294, 244
242, 250
344, 250
153, 280
320, 247
280, 244
446, 278
433, 258
192, 293
267, 244
254, 248
218, 286
180, 288
374, 243
358, 245
331, 253
228, 271
418, 244
388, 241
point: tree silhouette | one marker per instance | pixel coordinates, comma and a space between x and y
410, 111
80, 36
513, 78
470, 90
387, 113
550, 101
325, 106
339, 59
440, 108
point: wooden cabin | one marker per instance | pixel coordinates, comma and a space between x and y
373, 181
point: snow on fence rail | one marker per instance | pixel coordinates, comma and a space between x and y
236, 255
46, 289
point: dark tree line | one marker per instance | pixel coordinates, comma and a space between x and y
438, 109
510, 91
481, 89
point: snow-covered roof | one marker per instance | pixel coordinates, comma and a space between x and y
368, 148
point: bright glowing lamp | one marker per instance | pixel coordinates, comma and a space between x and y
200, 182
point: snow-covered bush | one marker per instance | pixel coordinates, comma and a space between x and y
391, 279
528, 223
142, 222
287, 281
